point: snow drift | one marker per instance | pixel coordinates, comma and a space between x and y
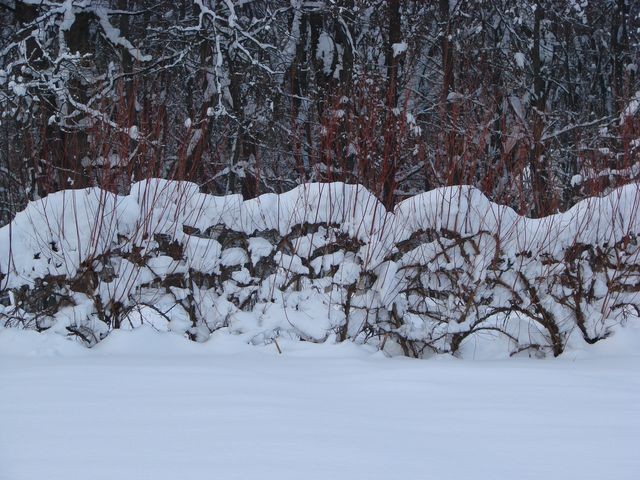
446, 271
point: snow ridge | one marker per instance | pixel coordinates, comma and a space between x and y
445, 271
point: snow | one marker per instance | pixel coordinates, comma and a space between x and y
399, 48
233, 256
113, 35
576, 180
632, 107
133, 132
333, 244
149, 406
325, 52
455, 97
519, 58
259, 247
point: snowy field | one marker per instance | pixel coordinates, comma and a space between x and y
143, 405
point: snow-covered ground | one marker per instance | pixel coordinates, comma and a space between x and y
143, 405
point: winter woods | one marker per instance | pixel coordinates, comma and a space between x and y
533, 102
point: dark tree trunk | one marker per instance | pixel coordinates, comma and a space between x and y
390, 160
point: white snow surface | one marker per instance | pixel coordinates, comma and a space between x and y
145, 405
